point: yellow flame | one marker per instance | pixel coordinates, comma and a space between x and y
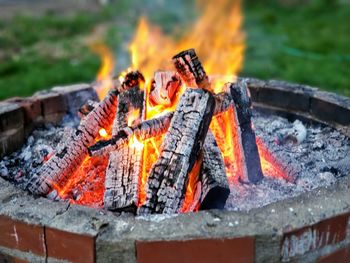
216, 36
103, 133
133, 115
135, 143
105, 73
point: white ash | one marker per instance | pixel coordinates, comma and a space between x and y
21, 165
317, 157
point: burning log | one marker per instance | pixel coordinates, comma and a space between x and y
246, 136
215, 188
150, 128
125, 165
72, 152
180, 148
191, 70
164, 86
145, 130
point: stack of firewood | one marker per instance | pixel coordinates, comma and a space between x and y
188, 142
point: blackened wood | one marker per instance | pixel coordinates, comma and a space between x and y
145, 130
167, 181
73, 150
214, 183
125, 165
151, 128
164, 86
247, 141
191, 70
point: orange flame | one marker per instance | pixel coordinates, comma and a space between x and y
191, 200
133, 115
105, 73
219, 41
216, 36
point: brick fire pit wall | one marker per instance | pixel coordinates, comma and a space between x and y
314, 226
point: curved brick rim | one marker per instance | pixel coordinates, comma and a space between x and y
314, 226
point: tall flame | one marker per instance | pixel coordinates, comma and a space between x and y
216, 36
105, 73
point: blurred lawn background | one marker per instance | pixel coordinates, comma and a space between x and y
304, 41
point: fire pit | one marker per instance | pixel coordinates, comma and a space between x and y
260, 221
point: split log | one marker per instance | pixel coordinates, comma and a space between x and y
180, 148
191, 70
151, 128
246, 136
125, 165
73, 150
215, 187
164, 86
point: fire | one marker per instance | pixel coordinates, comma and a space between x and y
216, 36
133, 116
103, 133
270, 166
86, 185
105, 73
220, 43
135, 143
192, 191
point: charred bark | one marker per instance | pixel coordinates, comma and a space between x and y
191, 70
215, 188
72, 152
247, 141
151, 128
125, 165
181, 146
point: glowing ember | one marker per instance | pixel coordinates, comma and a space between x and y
191, 195
270, 166
103, 133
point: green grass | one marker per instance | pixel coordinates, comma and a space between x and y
309, 43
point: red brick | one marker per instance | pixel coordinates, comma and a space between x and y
22, 236
339, 256
69, 246
327, 232
31, 107
11, 116
200, 250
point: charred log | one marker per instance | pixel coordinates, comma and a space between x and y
215, 188
181, 146
191, 70
145, 130
72, 152
247, 141
125, 164
150, 128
